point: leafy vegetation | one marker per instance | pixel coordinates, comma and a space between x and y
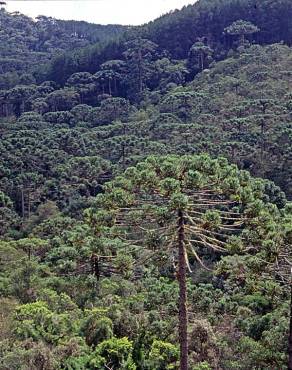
25, 44
145, 188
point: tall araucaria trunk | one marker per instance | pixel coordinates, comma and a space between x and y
183, 316
290, 329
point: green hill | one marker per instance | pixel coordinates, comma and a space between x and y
178, 31
145, 191
26, 44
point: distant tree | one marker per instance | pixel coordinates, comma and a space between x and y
112, 109
39, 105
63, 99
60, 117
9, 219
139, 54
179, 103
83, 174
81, 113
200, 54
169, 71
241, 29
115, 72
106, 78
18, 96
83, 83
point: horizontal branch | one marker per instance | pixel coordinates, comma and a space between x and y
198, 258
216, 248
223, 217
200, 229
198, 233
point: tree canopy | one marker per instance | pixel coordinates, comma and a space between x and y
145, 191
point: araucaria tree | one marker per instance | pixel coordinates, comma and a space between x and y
241, 29
177, 208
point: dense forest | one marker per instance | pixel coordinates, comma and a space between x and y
145, 191
26, 43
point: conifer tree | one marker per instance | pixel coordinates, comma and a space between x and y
178, 207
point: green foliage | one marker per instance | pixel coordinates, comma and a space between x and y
202, 366
241, 28
95, 168
32, 43
163, 356
36, 321
114, 352
97, 328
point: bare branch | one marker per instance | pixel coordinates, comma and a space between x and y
223, 217
216, 248
187, 262
198, 258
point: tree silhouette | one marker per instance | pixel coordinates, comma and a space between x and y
241, 29
178, 207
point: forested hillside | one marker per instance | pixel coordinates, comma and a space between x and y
176, 32
25, 44
208, 19
145, 191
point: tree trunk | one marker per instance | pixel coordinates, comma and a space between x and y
290, 330
115, 85
202, 61
22, 204
183, 319
140, 71
28, 204
262, 142
17, 110
123, 155
95, 266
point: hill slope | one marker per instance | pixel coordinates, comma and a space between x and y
178, 31
26, 44
240, 108
89, 275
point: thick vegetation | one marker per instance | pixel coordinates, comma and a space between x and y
124, 242
25, 43
176, 32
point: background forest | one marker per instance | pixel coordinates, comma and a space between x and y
106, 133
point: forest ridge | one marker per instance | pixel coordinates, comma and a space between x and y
145, 190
